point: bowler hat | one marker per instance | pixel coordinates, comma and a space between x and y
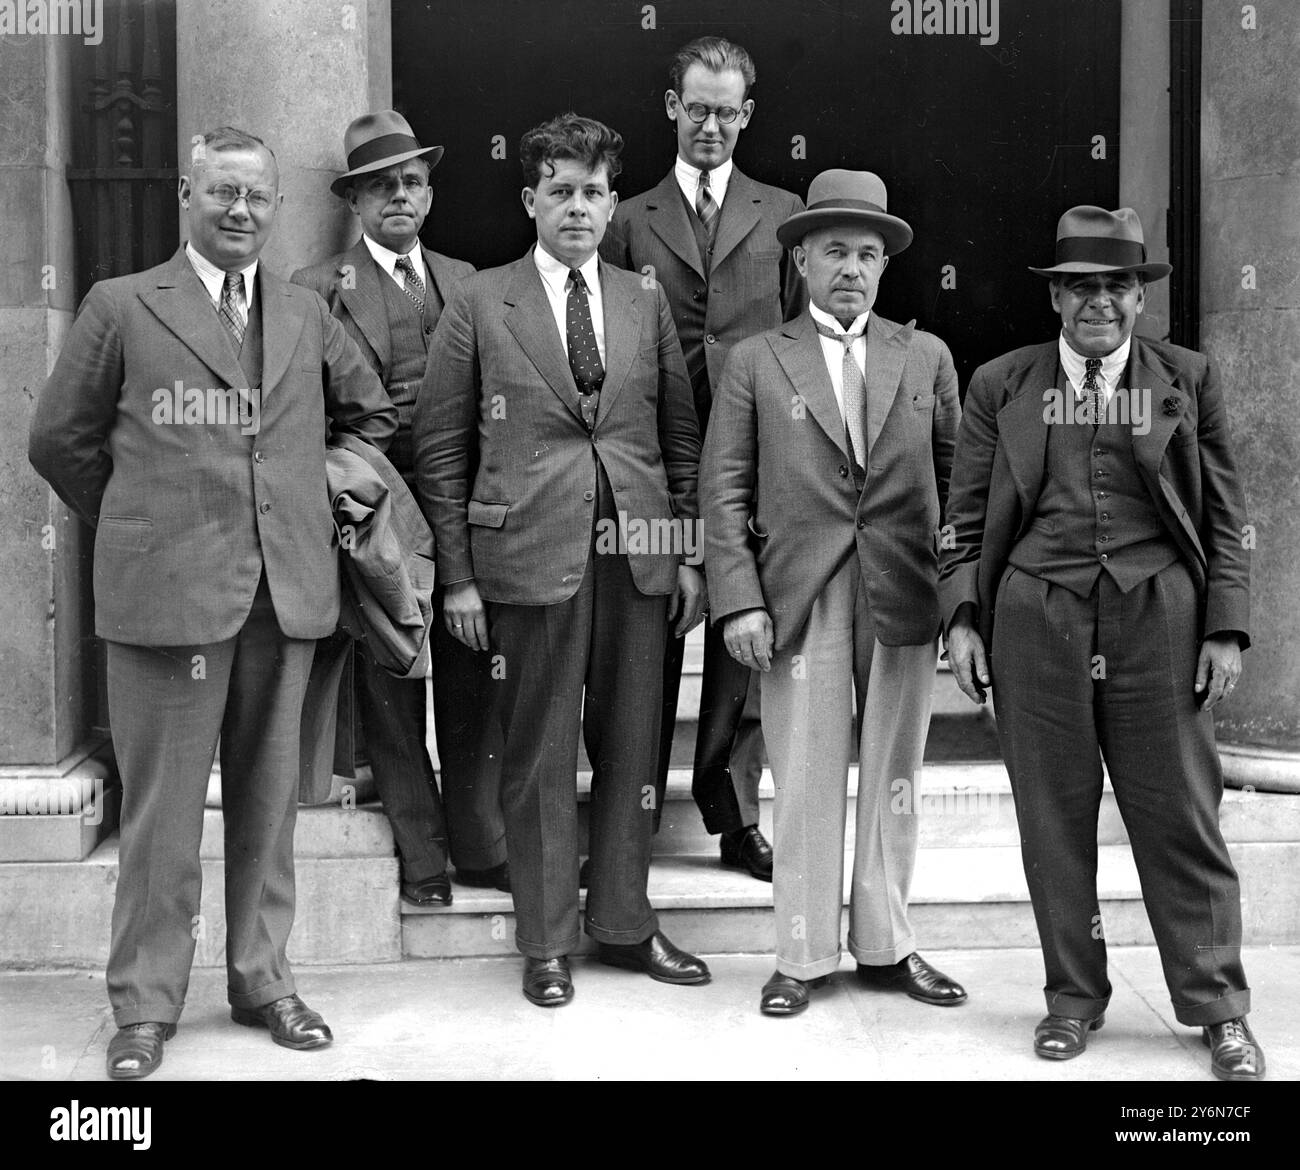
1092, 239
850, 197
375, 141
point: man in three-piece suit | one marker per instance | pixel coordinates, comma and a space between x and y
707, 232
556, 452
388, 292
1098, 582
186, 421
822, 488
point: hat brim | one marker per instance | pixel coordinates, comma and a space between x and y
1155, 270
340, 185
895, 232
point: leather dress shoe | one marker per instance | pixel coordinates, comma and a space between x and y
784, 995
748, 849
1062, 1037
137, 1049
917, 978
1235, 1054
432, 891
547, 982
656, 957
292, 1023
495, 878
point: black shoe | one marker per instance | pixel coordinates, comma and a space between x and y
584, 872
433, 891
495, 878
784, 995
656, 957
137, 1050
917, 978
747, 848
292, 1023
547, 982
1235, 1054
1062, 1037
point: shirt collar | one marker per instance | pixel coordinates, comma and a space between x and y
688, 178
214, 278
556, 272
1112, 365
387, 259
858, 327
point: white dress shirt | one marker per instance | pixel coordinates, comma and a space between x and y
214, 278
555, 279
833, 350
688, 179
387, 259
1112, 367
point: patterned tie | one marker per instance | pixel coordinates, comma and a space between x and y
855, 395
1094, 392
413, 285
584, 356
706, 207
231, 310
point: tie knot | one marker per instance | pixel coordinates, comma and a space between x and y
1092, 365
845, 339
235, 283
404, 263
704, 179
576, 278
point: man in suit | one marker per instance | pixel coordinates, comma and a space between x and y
823, 483
186, 421
1096, 578
557, 452
388, 292
707, 232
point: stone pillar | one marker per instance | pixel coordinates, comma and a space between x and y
1250, 324
51, 761
294, 73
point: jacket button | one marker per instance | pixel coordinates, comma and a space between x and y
710, 338
697, 295
862, 524
844, 472
588, 495
1105, 515
428, 329
258, 457
1104, 557
264, 508
1103, 538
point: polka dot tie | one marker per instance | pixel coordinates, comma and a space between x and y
584, 356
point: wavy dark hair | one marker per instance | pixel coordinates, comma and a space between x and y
570, 136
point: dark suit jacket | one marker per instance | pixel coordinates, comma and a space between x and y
753, 284
776, 475
349, 284
187, 515
499, 388
1185, 461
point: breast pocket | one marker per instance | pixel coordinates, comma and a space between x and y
487, 515
124, 533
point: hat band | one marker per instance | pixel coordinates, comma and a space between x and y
385, 146
1098, 250
846, 205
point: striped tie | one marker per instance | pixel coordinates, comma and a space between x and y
231, 310
413, 286
855, 395
1094, 393
706, 207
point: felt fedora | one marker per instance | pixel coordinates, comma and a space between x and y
1092, 239
849, 197
375, 141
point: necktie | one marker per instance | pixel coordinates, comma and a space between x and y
855, 395
706, 207
584, 356
413, 286
1093, 392
231, 309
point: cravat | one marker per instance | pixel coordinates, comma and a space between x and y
1094, 392
584, 356
706, 207
413, 286
232, 306
855, 395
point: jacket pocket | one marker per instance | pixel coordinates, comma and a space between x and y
128, 533
487, 515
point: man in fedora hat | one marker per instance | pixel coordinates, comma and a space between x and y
388, 291
707, 232
823, 482
1097, 580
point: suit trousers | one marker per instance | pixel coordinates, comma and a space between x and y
608, 637
808, 708
169, 706
1077, 680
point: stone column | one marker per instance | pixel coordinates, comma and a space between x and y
1250, 324
294, 73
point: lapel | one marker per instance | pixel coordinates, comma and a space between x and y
799, 352
622, 335
1147, 375
666, 215
441, 277
182, 304
362, 296
282, 325
740, 214
531, 322
1022, 422
887, 345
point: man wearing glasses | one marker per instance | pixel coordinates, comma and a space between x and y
388, 292
707, 233
215, 573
